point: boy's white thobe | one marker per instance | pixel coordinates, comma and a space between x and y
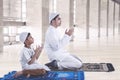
25, 57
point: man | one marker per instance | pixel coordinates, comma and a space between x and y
54, 45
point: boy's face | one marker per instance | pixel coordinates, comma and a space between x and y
29, 40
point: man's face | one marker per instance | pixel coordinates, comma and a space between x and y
58, 21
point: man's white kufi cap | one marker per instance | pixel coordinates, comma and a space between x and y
23, 36
52, 16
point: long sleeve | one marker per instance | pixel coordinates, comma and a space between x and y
54, 40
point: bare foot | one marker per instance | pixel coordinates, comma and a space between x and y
28, 75
19, 73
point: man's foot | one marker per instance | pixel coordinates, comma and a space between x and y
52, 65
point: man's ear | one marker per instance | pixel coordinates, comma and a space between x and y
53, 21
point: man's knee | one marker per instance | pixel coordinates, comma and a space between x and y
79, 64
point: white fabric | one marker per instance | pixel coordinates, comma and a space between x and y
25, 57
52, 16
54, 45
23, 36
70, 62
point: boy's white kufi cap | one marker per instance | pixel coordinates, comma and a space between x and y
52, 16
23, 36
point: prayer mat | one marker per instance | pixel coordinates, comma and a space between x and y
51, 75
97, 67
92, 67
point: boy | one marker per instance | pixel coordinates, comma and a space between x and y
29, 56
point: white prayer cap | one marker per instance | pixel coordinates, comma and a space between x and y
52, 16
23, 36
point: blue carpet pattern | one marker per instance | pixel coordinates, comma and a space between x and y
51, 75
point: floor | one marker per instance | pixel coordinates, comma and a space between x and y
98, 50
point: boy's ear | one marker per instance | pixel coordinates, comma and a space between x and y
25, 41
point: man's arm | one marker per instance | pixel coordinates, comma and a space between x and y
56, 44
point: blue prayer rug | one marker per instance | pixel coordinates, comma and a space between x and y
51, 75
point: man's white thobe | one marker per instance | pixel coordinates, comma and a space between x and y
54, 45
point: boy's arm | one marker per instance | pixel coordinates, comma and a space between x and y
33, 59
38, 51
